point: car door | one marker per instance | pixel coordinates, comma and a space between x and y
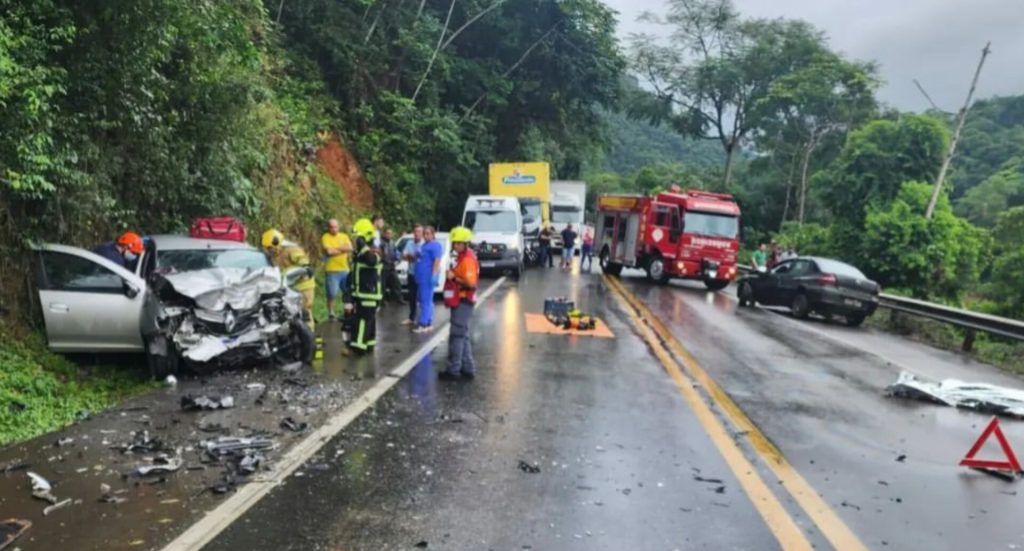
790, 281
771, 286
89, 303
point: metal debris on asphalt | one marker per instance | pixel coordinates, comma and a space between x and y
41, 488
528, 468
51, 508
11, 529
980, 397
293, 425
193, 403
64, 442
162, 463
142, 442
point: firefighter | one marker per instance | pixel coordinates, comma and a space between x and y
460, 295
364, 288
290, 257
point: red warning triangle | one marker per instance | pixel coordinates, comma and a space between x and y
1011, 463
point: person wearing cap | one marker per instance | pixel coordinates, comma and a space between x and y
364, 289
289, 257
124, 251
460, 295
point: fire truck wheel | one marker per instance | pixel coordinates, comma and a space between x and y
656, 270
607, 266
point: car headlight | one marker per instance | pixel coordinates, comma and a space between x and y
513, 246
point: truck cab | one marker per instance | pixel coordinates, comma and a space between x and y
497, 226
688, 235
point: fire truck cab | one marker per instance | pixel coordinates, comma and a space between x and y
687, 235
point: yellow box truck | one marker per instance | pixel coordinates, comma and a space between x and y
530, 181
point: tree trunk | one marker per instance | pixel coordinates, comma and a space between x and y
730, 151
804, 164
789, 191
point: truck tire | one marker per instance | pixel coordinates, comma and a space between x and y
716, 284
656, 270
607, 266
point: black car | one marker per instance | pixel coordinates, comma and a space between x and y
812, 284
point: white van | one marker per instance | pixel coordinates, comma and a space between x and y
497, 225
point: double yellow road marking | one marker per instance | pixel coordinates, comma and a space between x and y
683, 368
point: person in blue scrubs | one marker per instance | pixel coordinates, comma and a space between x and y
428, 269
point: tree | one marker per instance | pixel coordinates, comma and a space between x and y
936, 257
1007, 289
982, 204
716, 70
829, 95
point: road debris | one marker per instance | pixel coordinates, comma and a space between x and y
41, 488
106, 496
528, 467
11, 529
901, 458
51, 508
171, 381
162, 463
142, 442
980, 397
193, 403
293, 425
60, 443
256, 387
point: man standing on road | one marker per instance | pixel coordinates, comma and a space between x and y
364, 289
392, 288
337, 247
290, 257
460, 295
122, 252
759, 260
411, 254
774, 254
428, 268
568, 245
544, 239
378, 227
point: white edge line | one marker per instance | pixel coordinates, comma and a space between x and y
218, 519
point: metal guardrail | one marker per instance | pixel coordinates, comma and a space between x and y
971, 321
966, 319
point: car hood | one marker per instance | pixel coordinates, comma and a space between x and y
216, 288
495, 237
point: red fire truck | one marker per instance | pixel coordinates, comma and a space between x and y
690, 235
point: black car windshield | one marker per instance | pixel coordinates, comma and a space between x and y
565, 215
187, 260
838, 268
502, 221
717, 225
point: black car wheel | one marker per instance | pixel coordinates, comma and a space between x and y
161, 365
800, 306
746, 294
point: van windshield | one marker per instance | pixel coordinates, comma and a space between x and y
498, 221
565, 215
532, 210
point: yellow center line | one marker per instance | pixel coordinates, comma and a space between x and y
827, 521
775, 516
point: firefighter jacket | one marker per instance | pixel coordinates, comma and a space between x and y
364, 283
290, 257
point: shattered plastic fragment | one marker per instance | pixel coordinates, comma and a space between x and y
528, 468
190, 403
41, 488
293, 425
51, 508
159, 464
11, 529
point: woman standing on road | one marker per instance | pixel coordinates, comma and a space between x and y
427, 272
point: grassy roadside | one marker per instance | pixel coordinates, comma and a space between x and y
41, 391
1008, 356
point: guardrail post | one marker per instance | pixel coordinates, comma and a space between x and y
968, 344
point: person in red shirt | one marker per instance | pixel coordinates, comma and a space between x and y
460, 295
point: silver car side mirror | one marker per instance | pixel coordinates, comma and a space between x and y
130, 290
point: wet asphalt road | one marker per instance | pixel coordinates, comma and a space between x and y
623, 460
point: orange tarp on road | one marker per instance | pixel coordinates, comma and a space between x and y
537, 323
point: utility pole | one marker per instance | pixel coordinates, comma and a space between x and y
959, 125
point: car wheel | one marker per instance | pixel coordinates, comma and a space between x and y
800, 306
854, 320
746, 294
161, 365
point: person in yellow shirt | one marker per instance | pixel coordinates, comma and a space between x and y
290, 257
337, 248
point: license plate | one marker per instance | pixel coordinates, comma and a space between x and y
488, 264
852, 302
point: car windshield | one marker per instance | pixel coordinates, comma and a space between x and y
717, 225
565, 215
838, 268
186, 260
502, 221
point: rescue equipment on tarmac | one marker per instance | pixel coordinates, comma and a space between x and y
563, 313
558, 306
1009, 468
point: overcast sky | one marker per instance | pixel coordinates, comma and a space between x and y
938, 42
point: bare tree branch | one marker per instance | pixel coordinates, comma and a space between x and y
433, 56
471, 20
